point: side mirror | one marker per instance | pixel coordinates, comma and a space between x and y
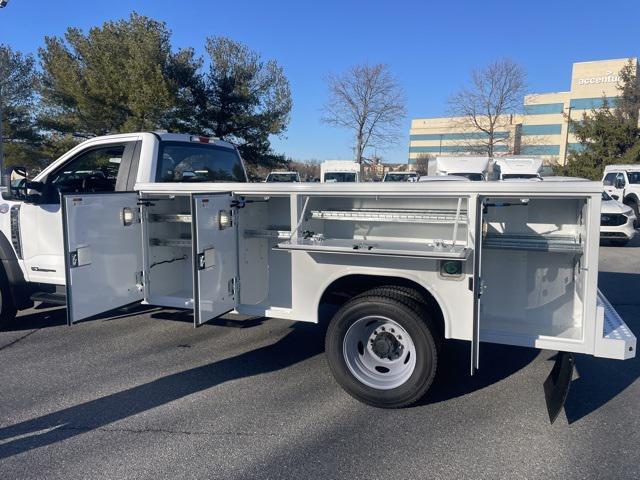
14, 182
18, 187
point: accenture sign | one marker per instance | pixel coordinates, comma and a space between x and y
608, 77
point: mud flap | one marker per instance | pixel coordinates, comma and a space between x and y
556, 386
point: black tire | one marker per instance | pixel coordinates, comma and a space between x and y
411, 294
636, 210
619, 243
412, 316
7, 308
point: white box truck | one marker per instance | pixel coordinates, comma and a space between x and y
473, 168
340, 171
169, 220
506, 168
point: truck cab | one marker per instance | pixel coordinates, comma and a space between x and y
286, 177
401, 177
622, 183
31, 222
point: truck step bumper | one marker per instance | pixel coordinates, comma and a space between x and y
614, 339
50, 298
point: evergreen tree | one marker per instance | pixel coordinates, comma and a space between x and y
120, 77
245, 100
19, 137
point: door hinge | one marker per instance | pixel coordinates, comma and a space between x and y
233, 287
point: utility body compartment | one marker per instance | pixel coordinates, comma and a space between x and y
505, 262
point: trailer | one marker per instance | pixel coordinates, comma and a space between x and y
404, 267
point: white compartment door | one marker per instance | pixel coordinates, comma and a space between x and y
215, 257
477, 284
103, 252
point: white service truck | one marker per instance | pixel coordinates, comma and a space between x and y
283, 177
169, 220
401, 177
473, 168
340, 171
508, 168
622, 182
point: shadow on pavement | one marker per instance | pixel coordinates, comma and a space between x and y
600, 380
39, 318
497, 362
301, 343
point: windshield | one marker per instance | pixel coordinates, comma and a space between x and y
520, 175
476, 177
282, 177
605, 196
399, 177
192, 162
340, 177
634, 177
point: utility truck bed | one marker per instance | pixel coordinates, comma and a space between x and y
403, 266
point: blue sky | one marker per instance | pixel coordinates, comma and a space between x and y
430, 46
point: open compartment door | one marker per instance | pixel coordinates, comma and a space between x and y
477, 283
215, 257
103, 252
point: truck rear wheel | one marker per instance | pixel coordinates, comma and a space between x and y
381, 349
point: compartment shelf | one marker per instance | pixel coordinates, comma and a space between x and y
171, 242
386, 248
280, 234
538, 243
392, 215
175, 217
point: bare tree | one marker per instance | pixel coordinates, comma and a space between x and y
487, 104
422, 163
368, 100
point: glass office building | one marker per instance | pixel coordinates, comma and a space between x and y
542, 127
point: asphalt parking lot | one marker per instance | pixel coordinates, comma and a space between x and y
144, 395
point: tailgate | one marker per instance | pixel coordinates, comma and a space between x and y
614, 339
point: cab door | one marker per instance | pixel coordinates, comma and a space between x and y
215, 257
102, 252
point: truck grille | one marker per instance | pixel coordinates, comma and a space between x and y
612, 219
15, 230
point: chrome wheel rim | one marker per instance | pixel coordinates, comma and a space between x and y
379, 352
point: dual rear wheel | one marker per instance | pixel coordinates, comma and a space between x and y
382, 347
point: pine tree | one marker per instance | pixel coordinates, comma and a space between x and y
20, 138
120, 77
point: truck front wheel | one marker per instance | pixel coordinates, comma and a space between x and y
381, 349
7, 308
